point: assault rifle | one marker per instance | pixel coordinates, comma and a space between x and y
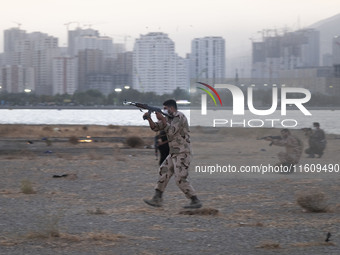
150, 108
274, 137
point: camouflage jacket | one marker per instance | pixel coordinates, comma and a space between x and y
177, 131
293, 145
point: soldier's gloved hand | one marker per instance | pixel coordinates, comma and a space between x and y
146, 116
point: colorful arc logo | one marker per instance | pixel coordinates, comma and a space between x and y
209, 93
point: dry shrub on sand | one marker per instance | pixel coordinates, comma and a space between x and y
313, 201
134, 141
53, 236
47, 129
97, 211
48, 227
83, 237
269, 245
73, 140
102, 236
6, 241
26, 187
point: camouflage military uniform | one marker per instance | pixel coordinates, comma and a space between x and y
293, 150
178, 161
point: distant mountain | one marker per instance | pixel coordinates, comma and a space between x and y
328, 28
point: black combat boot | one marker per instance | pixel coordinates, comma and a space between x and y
194, 204
156, 200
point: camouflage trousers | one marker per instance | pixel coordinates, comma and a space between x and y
288, 158
178, 165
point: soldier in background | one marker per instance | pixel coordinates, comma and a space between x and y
293, 147
178, 161
162, 146
317, 141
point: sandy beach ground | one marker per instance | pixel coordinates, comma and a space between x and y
60, 196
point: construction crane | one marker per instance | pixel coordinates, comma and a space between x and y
69, 23
125, 38
19, 24
88, 25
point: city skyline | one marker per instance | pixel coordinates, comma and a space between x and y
125, 21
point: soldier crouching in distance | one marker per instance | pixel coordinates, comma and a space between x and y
316, 140
293, 147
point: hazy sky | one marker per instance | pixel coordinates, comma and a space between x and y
182, 20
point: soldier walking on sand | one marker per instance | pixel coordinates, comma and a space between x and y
178, 161
293, 147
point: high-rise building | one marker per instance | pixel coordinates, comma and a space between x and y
73, 38
11, 36
156, 66
65, 75
101, 82
90, 62
105, 44
122, 70
45, 49
13, 78
23, 52
118, 48
336, 50
82, 39
207, 58
287, 51
32, 53
29, 78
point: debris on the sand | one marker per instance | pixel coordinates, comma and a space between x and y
67, 176
59, 175
200, 211
56, 130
